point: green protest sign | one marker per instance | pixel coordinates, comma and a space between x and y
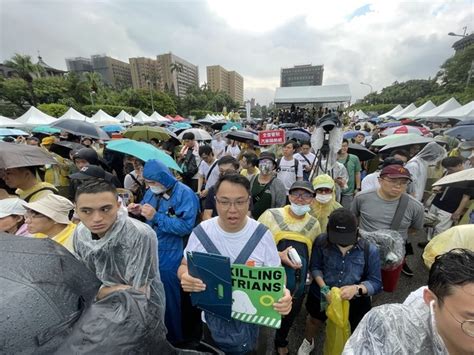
254, 290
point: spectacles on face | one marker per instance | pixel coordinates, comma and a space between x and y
33, 215
239, 204
204, 157
302, 195
467, 326
400, 182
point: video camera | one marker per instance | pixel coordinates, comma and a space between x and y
329, 121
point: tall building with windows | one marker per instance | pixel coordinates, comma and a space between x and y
114, 72
79, 65
230, 82
177, 74
146, 71
302, 75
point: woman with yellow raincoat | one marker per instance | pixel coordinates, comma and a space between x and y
325, 200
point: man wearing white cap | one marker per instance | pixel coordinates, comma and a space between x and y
48, 217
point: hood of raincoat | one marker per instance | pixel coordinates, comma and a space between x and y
431, 153
157, 171
322, 210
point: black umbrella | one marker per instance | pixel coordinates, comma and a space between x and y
19, 155
298, 134
43, 289
361, 152
196, 124
240, 136
288, 125
218, 125
81, 128
63, 148
205, 122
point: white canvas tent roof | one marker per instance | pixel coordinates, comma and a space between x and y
462, 113
158, 118
34, 117
142, 118
449, 105
393, 111
361, 114
72, 114
102, 118
124, 117
427, 106
403, 113
8, 122
313, 94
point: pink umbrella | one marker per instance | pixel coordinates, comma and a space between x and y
405, 129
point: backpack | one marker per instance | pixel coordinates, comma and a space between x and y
189, 165
295, 166
232, 336
295, 278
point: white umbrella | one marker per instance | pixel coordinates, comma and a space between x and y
449, 105
72, 114
199, 134
463, 113
34, 117
464, 178
405, 143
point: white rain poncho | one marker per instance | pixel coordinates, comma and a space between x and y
397, 329
431, 154
126, 255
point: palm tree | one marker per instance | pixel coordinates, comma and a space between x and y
26, 70
94, 80
176, 67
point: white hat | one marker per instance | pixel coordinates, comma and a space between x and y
11, 206
53, 206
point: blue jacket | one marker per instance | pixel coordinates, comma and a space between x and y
175, 216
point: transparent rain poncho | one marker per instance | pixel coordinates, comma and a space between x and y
400, 329
391, 246
431, 154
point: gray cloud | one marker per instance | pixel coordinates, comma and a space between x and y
403, 41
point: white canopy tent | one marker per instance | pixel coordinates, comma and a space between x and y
312, 94
34, 117
449, 105
8, 122
463, 113
140, 117
210, 117
124, 117
102, 118
403, 113
158, 118
427, 106
72, 114
361, 115
393, 111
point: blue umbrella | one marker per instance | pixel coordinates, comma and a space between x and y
465, 132
352, 134
390, 124
46, 129
231, 125
142, 151
12, 132
113, 128
179, 125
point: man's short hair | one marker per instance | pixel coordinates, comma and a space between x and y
305, 143
188, 136
293, 143
233, 178
451, 162
452, 269
95, 186
251, 158
205, 149
345, 140
227, 159
401, 152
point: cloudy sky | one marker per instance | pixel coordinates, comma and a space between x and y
375, 42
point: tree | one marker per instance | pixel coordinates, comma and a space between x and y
55, 110
50, 89
16, 91
26, 70
455, 71
176, 67
94, 81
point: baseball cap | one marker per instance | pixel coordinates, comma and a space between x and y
395, 171
267, 155
89, 171
302, 185
11, 206
342, 227
53, 206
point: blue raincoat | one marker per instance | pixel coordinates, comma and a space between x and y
175, 218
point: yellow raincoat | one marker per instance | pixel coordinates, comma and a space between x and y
64, 237
322, 211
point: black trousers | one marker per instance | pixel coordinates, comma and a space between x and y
286, 323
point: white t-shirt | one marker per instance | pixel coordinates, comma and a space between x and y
303, 161
287, 174
232, 150
213, 176
218, 147
231, 244
370, 182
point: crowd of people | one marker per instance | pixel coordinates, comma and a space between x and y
132, 223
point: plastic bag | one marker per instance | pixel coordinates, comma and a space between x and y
455, 237
338, 329
391, 246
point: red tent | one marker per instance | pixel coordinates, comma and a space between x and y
178, 118
169, 117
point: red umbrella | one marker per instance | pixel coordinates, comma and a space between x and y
405, 129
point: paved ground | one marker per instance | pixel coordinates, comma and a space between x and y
405, 286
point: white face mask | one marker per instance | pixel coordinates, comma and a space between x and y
323, 198
300, 210
157, 190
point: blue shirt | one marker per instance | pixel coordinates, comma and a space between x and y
337, 270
